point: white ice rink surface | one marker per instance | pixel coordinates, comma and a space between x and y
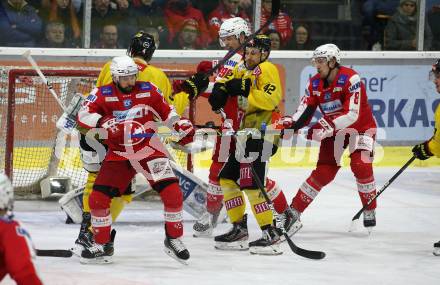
399, 251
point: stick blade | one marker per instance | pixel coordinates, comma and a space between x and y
54, 252
353, 226
276, 4
311, 254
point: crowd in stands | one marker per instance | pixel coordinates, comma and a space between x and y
186, 24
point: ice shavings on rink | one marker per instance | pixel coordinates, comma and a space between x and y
399, 250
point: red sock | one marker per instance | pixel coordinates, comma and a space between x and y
276, 195
172, 199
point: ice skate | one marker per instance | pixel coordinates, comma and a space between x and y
291, 222
236, 238
436, 251
85, 236
175, 248
369, 220
268, 244
99, 253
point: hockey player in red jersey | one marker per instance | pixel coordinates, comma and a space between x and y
127, 110
16, 250
347, 121
233, 32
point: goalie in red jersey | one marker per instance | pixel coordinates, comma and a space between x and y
128, 111
16, 250
347, 122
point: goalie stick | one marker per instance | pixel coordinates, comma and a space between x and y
311, 254
385, 186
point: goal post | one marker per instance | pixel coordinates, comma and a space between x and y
33, 148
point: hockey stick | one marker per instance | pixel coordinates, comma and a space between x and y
385, 186
27, 55
296, 249
54, 252
275, 11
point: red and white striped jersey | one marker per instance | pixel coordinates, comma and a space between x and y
344, 102
137, 111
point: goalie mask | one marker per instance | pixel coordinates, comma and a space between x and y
6, 193
233, 27
142, 45
124, 73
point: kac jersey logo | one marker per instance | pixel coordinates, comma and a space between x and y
128, 103
327, 96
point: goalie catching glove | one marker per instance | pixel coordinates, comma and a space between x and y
185, 131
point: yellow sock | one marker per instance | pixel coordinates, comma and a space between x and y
88, 189
260, 208
234, 200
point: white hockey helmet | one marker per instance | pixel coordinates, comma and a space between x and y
327, 51
233, 27
123, 66
6, 193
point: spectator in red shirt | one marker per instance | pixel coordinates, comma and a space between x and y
15, 254
188, 36
282, 23
176, 12
225, 10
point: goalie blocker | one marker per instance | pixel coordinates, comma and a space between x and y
193, 188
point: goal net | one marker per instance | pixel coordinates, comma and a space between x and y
31, 147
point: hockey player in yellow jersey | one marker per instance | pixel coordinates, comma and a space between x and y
431, 147
141, 49
257, 84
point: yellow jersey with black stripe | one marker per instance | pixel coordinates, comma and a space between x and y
434, 142
150, 73
264, 96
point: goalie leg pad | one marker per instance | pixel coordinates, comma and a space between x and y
71, 204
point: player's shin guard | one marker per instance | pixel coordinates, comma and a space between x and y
101, 219
321, 176
263, 214
172, 199
306, 194
91, 177
276, 195
234, 200
214, 197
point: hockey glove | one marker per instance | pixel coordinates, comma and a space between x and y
195, 85
218, 97
185, 131
285, 122
115, 130
238, 87
204, 66
322, 129
421, 151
